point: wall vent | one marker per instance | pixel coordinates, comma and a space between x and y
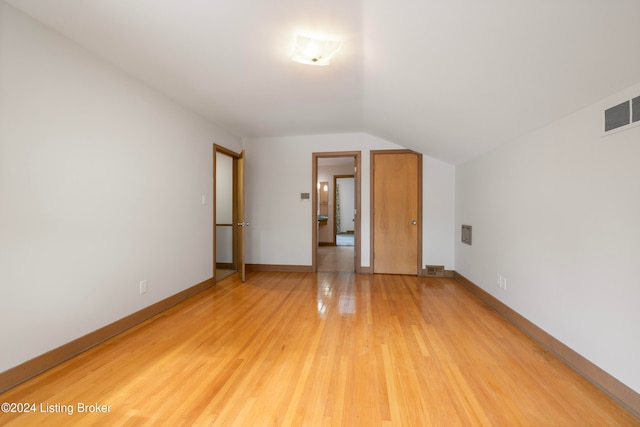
617, 116
622, 116
435, 270
466, 234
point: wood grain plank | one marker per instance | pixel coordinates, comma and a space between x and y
335, 349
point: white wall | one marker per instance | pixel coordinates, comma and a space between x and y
224, 208
346, 192
279, 169
100, 187
438, 213
224, 189
557, 212
224, 245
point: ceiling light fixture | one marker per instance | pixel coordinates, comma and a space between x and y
314, 51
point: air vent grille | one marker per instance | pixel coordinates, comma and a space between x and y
617, 116
622, 116
435, 270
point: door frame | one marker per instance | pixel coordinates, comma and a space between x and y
357, 155
373, 153
236, 200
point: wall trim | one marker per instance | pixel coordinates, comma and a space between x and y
280, 268
294, 268
615, 389
29, 369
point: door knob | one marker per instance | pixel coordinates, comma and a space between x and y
414, 222
243, 224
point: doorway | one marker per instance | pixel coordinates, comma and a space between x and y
336, 178
228, 215
343, 210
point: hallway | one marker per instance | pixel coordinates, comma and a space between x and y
336, 258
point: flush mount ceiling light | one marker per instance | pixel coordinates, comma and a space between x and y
314, 51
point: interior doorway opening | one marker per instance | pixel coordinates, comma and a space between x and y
336, 208
228, 251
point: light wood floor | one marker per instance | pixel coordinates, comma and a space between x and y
222, 273
335, 258
303, 349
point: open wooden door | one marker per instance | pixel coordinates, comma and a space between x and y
242, 224
228, 213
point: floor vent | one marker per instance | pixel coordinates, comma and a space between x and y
435, 270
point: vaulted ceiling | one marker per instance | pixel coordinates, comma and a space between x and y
449, 78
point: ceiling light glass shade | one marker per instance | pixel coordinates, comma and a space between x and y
313, 51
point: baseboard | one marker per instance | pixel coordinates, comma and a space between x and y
598, 377
294, 268
29, 369
225, 265
280, 268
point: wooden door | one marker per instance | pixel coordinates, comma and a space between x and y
237, 221
396, 199
242, 224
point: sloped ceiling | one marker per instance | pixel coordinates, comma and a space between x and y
449, 78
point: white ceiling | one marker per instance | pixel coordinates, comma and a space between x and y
449, 78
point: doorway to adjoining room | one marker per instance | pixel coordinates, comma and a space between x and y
337, 225
228, 213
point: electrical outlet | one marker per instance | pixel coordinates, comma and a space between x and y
143, 287
501, 282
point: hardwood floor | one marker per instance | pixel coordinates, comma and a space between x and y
305, 349
335, 258
222, 273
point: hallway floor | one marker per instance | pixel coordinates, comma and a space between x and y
336, 258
